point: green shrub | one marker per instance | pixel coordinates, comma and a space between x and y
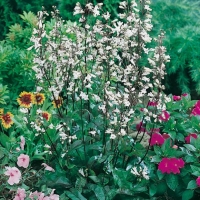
181, 22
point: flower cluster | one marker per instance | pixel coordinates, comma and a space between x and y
141, 172
26, 99
21, 194
171, 165
6, 119
196, 109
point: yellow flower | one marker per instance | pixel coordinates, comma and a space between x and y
7, 120
25, 99
46, 115
58, 102
39, 98
1, 111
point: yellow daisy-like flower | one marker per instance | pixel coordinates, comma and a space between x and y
39, 98
6, 120
25, 99
1, 111
46, 115
58, 102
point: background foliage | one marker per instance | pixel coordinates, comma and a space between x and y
180, 20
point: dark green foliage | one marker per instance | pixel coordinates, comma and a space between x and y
15, 61
181, 22
10, 10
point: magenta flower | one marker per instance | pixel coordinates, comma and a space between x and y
23, 160
198, 181
140, 127
176, 98
196, 111
20, 194
152, 103
164, 166
164, 116
156, 139
165, 136
184, 94
22, 143
14, 175
188, 138
171, 165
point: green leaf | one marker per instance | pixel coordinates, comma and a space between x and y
166, 146
152, 189
156, 159
172, 134
160, 174
94, 178
75, 195
4, 140
157, 150
77, 144
190, 147
98, 190
188, 194
189, 158
172, 181
111, 194
121, 178
192, 185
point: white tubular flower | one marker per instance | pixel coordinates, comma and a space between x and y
84, 96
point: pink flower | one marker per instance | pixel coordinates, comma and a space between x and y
176, 98
14, 175
184, 94
188, 138
20, 194
23, 160
53, 196
39, 195
140, 127
198, 181
171, 165
152, 103
156, 139
164, 116
22, 143
175, 147
47, 167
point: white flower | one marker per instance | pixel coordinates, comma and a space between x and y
134, 171
76, 75
106, 16
93, 133
23, 110
84, 96
51, 126
39, 111
109, 131
112, 136
47, 146
81, 172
